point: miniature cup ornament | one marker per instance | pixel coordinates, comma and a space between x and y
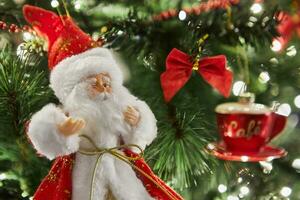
246, 128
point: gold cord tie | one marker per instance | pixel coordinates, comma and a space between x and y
114, 152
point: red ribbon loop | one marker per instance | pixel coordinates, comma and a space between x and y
179, 69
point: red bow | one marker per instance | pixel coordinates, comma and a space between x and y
179, 70
287, 26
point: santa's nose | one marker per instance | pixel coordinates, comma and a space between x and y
105, 85
99, 83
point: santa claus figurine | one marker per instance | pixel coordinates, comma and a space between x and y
97, 133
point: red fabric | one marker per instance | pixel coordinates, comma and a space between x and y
57, 185
151, 187
64, 37
287, 26
179, 70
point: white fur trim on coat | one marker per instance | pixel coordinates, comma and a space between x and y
72, 70
45, 137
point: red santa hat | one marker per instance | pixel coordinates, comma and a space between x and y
72, 54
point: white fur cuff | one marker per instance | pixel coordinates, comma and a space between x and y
45, 137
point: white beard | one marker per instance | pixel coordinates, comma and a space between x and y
103, 115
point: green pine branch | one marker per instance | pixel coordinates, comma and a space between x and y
23, 90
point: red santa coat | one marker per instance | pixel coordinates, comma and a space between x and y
57, 185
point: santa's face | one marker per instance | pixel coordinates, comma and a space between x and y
99, 86
94, 99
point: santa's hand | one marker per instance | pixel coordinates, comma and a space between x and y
71, 126
132, 116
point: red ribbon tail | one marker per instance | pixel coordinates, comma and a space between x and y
214, 72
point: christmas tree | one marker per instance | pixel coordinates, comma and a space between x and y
259, 39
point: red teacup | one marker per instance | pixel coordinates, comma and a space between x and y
247, 127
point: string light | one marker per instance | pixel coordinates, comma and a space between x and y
264, 77
250, 24
240, 179
20, 50
256, 8
54, 3
274, 61
291, 51
276, 45
182, 15
252, 19
284, 109
286, 191
297, 101
244, 158
19, 1
244, 190
27, 36
120, 32
211, 146
238, 87
267, 166
24, 194
293, 120
230, 197
3, 176
95, 36
77, 5
296, 164
222, 188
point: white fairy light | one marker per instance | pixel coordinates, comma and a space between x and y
222, 188
54, 3
21, 52
297, 101
296, 164
256, 8
19, 2
276, 46
3, 176
27, 36
291, 51
264, 77
120, 32
274, 61
95, 36
238, 87
182, 15
240, 179
293, 120
253, 19
286, 191
267, 166
77, 5
284, 109
231, 197
211, 146
244, 190
250, 24
244, 158
24, 194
